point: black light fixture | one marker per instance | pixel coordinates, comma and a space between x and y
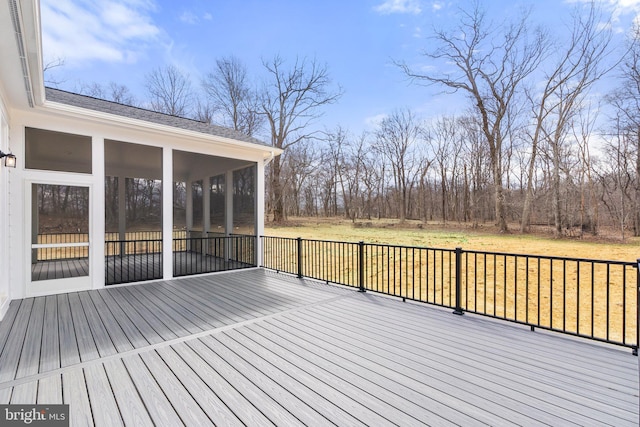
9, 159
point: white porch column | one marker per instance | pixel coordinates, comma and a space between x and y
97, 220
259, 201
167, 213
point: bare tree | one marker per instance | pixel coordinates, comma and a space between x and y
48, 69
121, 94
582, 129
169, 91
490, 63
290, 101
626, 103
231, 96
577, 68
111, 92
444, 136
204, 112
396, 140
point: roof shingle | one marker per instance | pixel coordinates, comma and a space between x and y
101, 105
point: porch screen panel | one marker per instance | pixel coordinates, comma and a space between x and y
133, 212
60, 232
217, 205
197, 200
244, 201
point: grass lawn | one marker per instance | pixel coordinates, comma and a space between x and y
414, 233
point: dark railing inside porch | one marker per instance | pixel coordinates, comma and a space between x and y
139, 257
589, 298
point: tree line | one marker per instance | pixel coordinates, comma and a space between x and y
539, 142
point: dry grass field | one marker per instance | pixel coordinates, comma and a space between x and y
593, 299
415, 233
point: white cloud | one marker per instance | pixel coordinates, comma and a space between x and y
618, 9
103, 30
399, 6
207, 16
437, 5
189, 18
374, 121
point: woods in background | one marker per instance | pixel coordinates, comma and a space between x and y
538, 145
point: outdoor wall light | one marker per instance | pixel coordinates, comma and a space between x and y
9, 159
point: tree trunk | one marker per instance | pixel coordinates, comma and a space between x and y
636, 227
555, 202
276, 191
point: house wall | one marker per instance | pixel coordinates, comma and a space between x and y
98, 129
5, 201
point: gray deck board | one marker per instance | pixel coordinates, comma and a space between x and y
354, 399
170, 317
554, 370
50, 351
74, 393
7, 323
232, 397
214, 316
101, 397
186, 310
110, 323
24, 393
99, 332
10, 357
207, 301
130, 405
314, 397
551, 400
383, 360
191, 413
5, 395
162, 413
361, 382
30, 355
50, 390
86, 341
69, 353
269, 397
255, 347
138, 326
216, 409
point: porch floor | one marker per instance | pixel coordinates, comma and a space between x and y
133, 268
255, 347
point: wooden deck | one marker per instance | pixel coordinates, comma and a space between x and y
256, 348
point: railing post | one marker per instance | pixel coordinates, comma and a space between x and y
361, 266
299, 257
458, 309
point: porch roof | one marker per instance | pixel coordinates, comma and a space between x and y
110, 107
258, 348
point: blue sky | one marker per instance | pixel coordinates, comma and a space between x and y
122, 40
